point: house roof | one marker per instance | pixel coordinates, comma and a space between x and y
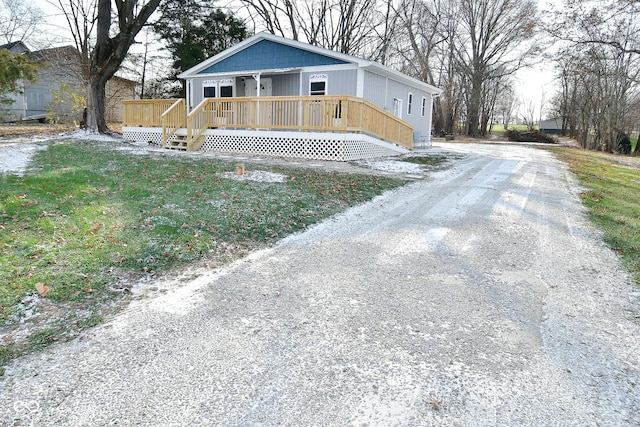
16, 47
267, 52
62, 52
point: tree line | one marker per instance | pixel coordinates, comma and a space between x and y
598, 66
468, 48
471, 49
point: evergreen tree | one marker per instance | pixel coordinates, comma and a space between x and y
14, 68
194, 31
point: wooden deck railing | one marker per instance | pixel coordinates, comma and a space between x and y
146, 112
306, 113
173, 119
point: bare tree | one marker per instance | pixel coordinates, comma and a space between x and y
490, 95
111, 49
423, 48
103, 48
507, 104
599, 22
280, 17
347, 26
529, 114
423, 32
492, 43
599, 69
81, 18
18, 20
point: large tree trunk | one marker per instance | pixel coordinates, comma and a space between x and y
473, 108
95, 104
437, 119
109, 52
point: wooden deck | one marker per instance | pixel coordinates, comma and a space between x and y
344, 114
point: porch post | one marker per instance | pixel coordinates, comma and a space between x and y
189, 96
257, 79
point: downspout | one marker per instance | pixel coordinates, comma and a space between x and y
24, 100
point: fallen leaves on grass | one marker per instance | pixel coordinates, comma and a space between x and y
42, 289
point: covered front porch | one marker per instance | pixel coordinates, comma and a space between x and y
339, 128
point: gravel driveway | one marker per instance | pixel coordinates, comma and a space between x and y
478, 296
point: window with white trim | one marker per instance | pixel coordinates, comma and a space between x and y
226, 91
423, 110
409, 103
318, 84
209, 91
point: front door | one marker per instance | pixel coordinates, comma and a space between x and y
251, 87
263, 112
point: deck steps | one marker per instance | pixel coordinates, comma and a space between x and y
180, 142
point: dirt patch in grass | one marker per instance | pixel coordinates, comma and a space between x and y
31, 129
36, 129
434, 160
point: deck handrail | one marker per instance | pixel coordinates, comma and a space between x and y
173, 119
196, 116
296, 113
315, 113
145, 112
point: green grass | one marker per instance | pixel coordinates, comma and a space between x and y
498, 129
613, 198
87, 216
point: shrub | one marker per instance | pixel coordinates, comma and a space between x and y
530, 136
623, 143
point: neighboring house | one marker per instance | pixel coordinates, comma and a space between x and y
296, 91
59, 91
117, 90
551, 126
15, 47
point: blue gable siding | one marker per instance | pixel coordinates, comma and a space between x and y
266, 55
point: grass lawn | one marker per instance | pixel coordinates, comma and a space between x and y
87, 217
613, 198
498, 129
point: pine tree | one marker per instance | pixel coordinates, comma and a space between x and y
193, 32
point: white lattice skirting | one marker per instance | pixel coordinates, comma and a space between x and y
141, 134
305, 145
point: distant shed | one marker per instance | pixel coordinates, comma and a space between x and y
551, 126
